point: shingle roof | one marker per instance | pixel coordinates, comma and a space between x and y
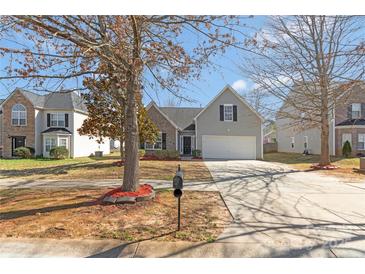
183, 117
57, 130
352, 122
56, 100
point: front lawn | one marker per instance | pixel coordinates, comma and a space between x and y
73, 213
91, 168
303, 162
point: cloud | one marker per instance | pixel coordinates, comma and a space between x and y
239, 85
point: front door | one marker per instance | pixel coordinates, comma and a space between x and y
187, 144
17, 141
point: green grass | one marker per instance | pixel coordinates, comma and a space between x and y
17, 164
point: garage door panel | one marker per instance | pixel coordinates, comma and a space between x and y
229, 147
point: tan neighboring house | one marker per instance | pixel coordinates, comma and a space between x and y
42, 122
347, 122
227, 128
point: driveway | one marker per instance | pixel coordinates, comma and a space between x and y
282, 212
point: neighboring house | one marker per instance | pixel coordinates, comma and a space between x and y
269, 132
347, 122
43, 122
228, 127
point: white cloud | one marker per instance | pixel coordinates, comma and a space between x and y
239, 85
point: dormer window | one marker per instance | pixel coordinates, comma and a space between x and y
356, 111
228, 112
57, 119
18, 115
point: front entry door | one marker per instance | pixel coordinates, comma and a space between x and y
187, 145
18, 141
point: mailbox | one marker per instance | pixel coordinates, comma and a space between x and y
178, 181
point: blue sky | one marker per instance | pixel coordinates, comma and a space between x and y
202, 90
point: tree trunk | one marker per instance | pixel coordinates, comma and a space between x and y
325, 153
131, 165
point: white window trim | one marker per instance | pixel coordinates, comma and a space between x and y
57, 114
352, 110
18, 112
342, 139
363, 141
153, 146
292, 143
306, 142
224, 112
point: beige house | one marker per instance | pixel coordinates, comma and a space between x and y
347, 122
227, 128
42, 122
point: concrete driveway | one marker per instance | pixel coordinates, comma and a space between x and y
282, 212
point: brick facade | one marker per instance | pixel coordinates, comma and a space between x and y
354, 140
8, 130
164, 126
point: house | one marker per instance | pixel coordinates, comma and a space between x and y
227, 128
347, 123
269, 132
43, 122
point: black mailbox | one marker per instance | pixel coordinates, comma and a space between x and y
178, 181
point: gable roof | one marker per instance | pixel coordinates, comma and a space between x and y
239, 97
62, 100
153, 104
183, 117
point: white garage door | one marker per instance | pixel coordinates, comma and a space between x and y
229, 147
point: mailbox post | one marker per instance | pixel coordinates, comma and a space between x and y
178, 184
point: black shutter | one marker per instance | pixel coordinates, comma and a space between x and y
362, 110
235, 113
221, 112
48, 120
163, 140
66, 119
141, 145
349, 111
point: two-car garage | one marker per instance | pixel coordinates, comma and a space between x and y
229, 147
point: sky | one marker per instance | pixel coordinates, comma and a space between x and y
201, 91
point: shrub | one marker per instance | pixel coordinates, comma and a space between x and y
141, 153
59, 153
167, 154
197, 153
346, 149
23, 152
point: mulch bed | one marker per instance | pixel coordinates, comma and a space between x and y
144, 192
326, 167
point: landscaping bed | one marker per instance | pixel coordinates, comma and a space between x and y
71, 213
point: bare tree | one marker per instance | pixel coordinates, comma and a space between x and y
129, 53
311, 63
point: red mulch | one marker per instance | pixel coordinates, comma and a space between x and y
142, 191
119, 163
327, 167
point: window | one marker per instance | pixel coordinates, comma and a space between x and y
18, 115
346, 137
62, 142
50, 143
356, 111
361, 141
155, 146
305, 142
57, 119
292, 142
228, 112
